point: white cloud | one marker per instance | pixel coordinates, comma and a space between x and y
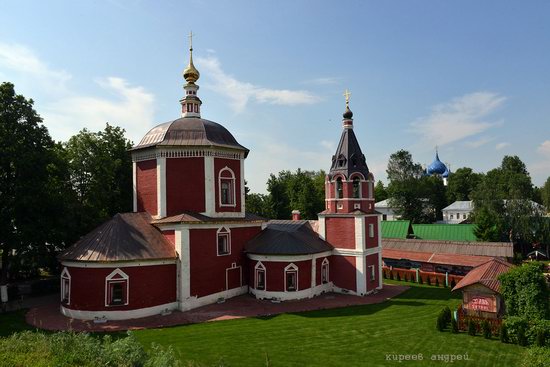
544, 148
478, 142
502, 145
240, 93
458, 119
323, 81
328, 145
65, 110
131, 109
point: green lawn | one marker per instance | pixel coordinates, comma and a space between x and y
353, 336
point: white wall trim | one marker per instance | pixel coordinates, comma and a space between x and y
180, 152
291, 268
209, 186
243, 199
346, 215
227, 276
111, 279
350, 252
288, 296
114, 265
134, 186
207, 225
161, 187
289, 258
327, 264
260, 267
322, 228
360, 275
194, 302
313, 273
66, 275
224, 232
185, 265
232, 188
118, 315
359, 233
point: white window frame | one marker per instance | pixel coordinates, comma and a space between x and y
291, 268
65, 275
225, 232
371, 230
325, 265
232, 188
260, 268
372, 273
110, 279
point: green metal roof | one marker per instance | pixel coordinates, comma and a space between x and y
444, 232
395, 228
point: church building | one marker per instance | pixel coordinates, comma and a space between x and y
189, 241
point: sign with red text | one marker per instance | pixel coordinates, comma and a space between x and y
481, 303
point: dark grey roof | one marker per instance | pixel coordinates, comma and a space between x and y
496, 249
287, 237
125, 237
190, 131
348, 158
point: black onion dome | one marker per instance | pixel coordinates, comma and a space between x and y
190, 131
347, 113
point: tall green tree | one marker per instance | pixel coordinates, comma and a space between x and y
101, 174
545, 194
462, 183
380, 192
28, 193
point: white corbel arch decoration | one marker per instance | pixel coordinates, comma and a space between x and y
66, 286
226, 176
291, 268
117, 276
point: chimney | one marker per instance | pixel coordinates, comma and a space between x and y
296, 215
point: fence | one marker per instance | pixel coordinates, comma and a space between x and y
426, 276
463, 318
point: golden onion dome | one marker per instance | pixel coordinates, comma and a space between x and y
191, 74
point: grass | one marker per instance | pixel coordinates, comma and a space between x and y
352, 336
12, 322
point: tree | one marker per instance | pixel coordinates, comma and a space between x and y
259, 204
461, 184
101, 174
380, 192
302, 190
545, 193
525, 291
416, 197
28, 169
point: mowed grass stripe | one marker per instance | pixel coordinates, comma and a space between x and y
352, 336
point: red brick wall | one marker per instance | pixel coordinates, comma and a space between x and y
208, 270
146, 186
235, 166
275, 274
369, 261
319, 263
170, 236
343, 273
149, 286
184, 185
371, 241
340, 232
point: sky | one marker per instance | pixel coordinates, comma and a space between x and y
470, 77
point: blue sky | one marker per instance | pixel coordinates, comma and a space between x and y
471, 77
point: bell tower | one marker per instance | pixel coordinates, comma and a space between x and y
349, 222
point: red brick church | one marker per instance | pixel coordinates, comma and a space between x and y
189, 241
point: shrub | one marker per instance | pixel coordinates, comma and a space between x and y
541, 338
440, 325
384, 275
428, 281
436, 282
453, 283
420, 281
447, 314
391, 275
472, 326
503, 333
398, 277
536, 357
486, 327
454, 326
538, 332
516, 325
521, 337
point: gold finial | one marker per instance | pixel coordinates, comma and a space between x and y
347, 94
191, 74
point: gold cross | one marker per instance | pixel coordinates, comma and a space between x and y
191, 40
347, 94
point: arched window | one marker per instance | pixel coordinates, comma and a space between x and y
226, 184
117, 288
291, 278
339, 188
356, 187
259, 276
324, 271
224, 242
65, 286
